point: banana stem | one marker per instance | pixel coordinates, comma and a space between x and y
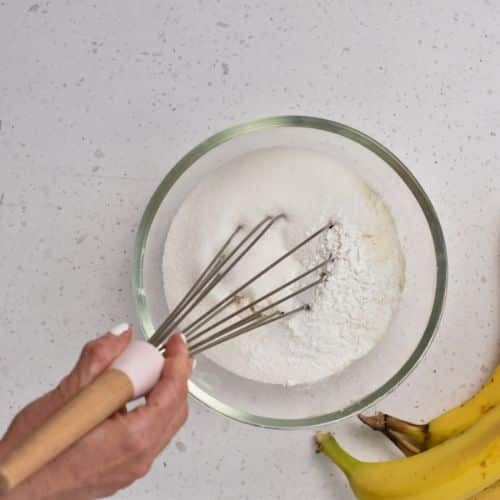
328, 445
376, 422
407, 447
382, 422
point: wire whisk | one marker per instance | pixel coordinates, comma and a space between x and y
209, 329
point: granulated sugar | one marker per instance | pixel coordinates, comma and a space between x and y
350, 311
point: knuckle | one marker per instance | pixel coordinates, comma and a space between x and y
124, 483
64, 389
95, 353
88, 348
140, 470
92, 349
135, 443
185, 387
182, 390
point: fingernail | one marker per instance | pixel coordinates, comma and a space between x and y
194, 364
183, 337
119, 329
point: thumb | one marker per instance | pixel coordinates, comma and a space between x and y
95, 357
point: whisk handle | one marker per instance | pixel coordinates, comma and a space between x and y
132, 375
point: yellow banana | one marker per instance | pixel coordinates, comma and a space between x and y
457, 469
409, 449
491, 493
447, 425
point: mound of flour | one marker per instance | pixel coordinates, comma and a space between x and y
350, 311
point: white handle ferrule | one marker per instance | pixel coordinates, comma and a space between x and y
142, 363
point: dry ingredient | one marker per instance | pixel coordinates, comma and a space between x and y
350, 311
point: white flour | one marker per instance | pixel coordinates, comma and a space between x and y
350, 311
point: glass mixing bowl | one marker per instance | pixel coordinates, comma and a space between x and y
413, 325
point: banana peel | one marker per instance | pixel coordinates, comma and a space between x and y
448, 425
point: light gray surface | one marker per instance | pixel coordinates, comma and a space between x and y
98, 99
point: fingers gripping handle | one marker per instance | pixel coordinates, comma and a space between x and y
131, 375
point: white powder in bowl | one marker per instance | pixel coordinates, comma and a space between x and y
350, 311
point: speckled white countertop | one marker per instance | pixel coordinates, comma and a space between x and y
99, 98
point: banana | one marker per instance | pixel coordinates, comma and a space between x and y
408, 449
457, 469
491, 493
447, 425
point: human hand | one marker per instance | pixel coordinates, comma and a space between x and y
121, 449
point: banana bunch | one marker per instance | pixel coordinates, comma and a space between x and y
414, 438
453, 457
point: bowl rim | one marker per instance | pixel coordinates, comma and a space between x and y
405, 175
